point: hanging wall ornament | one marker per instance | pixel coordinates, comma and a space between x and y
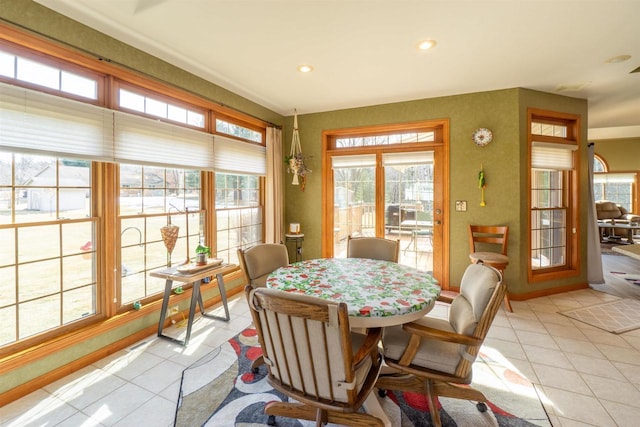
482, 184
296, 161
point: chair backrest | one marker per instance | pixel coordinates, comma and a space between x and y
258, 261
373, 248
494, 236
473, 310
306, 344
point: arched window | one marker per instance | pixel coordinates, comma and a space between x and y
599, 165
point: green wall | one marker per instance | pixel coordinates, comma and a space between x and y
504, 162
621, 155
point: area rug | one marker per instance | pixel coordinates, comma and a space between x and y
616, 317
220, 390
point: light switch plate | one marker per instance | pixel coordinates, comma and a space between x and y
461, 205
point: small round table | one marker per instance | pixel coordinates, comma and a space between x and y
377, 293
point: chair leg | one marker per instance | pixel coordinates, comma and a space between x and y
321, 417
507, 302
255, 365
433, 404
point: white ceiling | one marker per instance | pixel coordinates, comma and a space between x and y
363, 52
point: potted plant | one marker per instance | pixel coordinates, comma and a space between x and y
202, 253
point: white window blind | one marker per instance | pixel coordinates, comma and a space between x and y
147, 141
236, 156
546, 155
355, 161
36, 122
614, 178
407, 159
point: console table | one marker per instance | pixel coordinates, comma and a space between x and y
194, 276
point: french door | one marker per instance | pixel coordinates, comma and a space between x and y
392, 193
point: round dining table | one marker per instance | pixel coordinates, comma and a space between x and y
377, 293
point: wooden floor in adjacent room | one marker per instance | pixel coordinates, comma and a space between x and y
615, 283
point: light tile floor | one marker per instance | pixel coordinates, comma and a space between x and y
585, 376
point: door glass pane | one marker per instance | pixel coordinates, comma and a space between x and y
409, 211
354, 196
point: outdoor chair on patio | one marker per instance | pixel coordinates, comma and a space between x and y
314, 358
373, 248
435, 356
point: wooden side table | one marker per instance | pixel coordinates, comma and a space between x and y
171, 274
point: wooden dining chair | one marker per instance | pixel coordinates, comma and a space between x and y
313, 358
488, 243
256, 262
434, 356
373, 248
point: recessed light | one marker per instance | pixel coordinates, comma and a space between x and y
619, 58
304, 68
426, 44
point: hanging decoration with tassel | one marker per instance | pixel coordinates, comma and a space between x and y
296, 161
482, 184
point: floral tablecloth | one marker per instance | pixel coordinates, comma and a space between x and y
371, 288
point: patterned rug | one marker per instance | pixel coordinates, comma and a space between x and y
616, 317
220, 390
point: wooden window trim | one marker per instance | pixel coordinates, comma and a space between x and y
436, 126
572, 266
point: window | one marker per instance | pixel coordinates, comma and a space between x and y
599, 165
616, 187
156, 107
410, 137
239, 131
47, 254
27, 70
84, 178
239, 213
553, 189
150, 197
